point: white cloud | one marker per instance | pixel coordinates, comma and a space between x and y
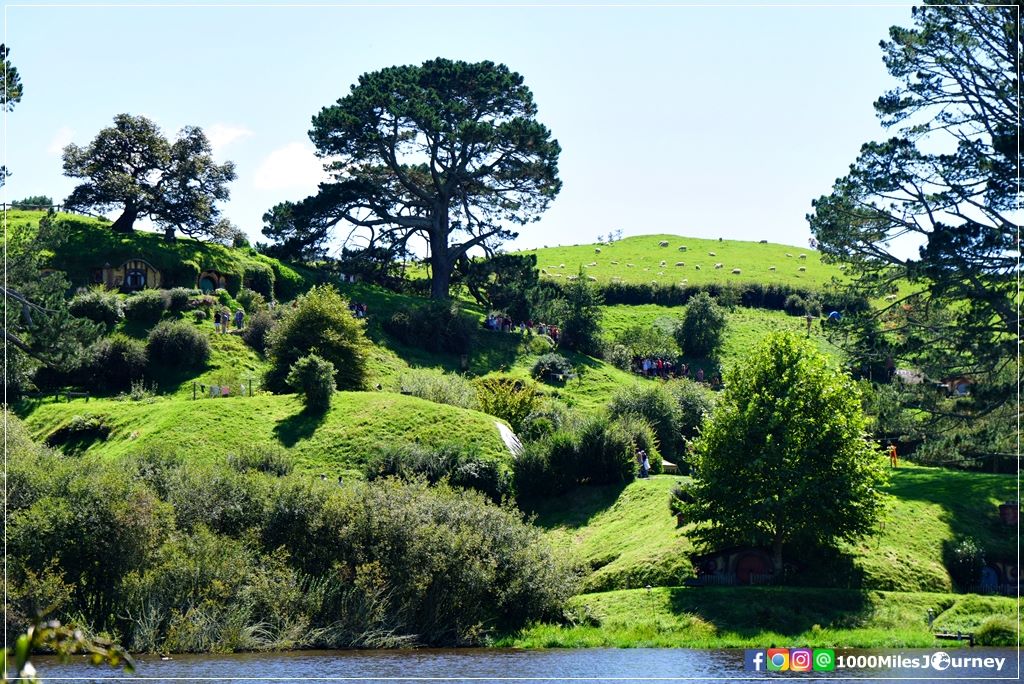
221, 135
293, 166
61, 139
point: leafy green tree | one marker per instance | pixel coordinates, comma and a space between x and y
11, 94
783, 459
313, 376
703, 328
949, 182
321, 323
33, 202
577, 313
448, 151
131, 164
504, 282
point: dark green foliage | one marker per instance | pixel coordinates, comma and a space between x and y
439, 387
178, 299
79, 429
948, 180
606, 451
145, 307
653, 403
703, 328
966, 560
184, 273
694, 401
115, 361
98, 306
257, 330
577, 313
178, 344
449, 463
651, 341
321, 323
12, 89
313, 376
251, 300
33, 202
436, 326
510, 399
504, 283
795, 305
643, 438
551, 366
492, 163
783, 458
271, 459
998, 630
132, 165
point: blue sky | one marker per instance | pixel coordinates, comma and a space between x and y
711, 121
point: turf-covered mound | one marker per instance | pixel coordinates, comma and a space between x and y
89, 244
358, 425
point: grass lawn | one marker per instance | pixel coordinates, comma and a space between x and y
356, 426
761, 617
755, 261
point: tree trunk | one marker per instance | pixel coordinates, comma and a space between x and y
125, 223
777, 554
440, 263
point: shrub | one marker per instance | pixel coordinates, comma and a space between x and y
694, 402
79, 429
259, 278
178, 299
642, 438
551, 366
966, 562
541, 344
439, 387
578, 315
703, 328
321, 323
204, 302
313, 376
257, 330
199, 315
436, 326
998, 630
507, 398
251, 300
178, 344
185, 273
618, 355
449, 463
649, 340
115, 361
98, 306
606, 452
795, 305
146, 306
264, 458
547, 416
655, 404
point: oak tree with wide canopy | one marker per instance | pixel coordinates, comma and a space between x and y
131, 164
948, 182
449, 151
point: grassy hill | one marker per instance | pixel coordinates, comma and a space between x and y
639, 260
356, 426
88, 243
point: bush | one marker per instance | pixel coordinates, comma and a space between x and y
319, 322
260, 279
178, 344
998, 630
98, 306
178, 299
606, 452
547, 416
146, 306
80, 429
436, 326
439, 387
263, 458
966, 562
115, 361
795, 305
618, 355
313, 376
251, 300
651, 341
185, 273
642, 438
655, 404
694, 402
257, 331
199, 315
578, 315
551, 366
448, 463
703, 328
507, 398
541, 344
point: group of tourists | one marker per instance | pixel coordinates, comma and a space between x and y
502, 323
665, 368
223, 318
643, 463
358, 309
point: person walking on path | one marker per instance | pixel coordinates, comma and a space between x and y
894, 460
216, 321
239, 317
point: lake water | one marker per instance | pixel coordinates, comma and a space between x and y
496, 664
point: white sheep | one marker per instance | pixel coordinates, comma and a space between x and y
561, 265
663, 243
890, 298
697, 267
718, 265
771, 268
558, 275
712, 254
592, 279
803, 268
682, 248
630, 265
543, 271
597, 250
789, 255
592, 263
803, 256
736, 271
662, 264
661, 273
615, 263
654, 282
572, 277
684, 281
680, 263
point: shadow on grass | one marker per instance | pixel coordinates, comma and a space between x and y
748, 611
576, 508
300, 426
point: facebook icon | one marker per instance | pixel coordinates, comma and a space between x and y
753, 659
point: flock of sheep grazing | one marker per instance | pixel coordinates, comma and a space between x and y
548, 271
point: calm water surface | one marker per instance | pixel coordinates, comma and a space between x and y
493, 665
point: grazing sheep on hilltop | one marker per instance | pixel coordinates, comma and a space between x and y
592, 263
803, 256
572, 277
680, 263
736, 271
630, 265
597, 250
662, 264
718, 265
789, 255
697, 267
684, 281
803, 268
592, 279
682, 248
771, 268
663, 243
712, 254
561, 265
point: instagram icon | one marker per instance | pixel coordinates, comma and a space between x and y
800, 660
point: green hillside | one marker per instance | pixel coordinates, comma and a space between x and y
357, 425
88, 243
639, 260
